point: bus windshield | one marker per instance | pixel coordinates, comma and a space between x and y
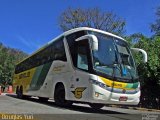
114, 58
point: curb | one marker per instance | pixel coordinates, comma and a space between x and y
135, 108
2, 94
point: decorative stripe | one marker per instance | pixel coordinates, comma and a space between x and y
119, 85
114, 90
35, 78
40, 76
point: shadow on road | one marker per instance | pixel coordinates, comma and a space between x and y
84, 109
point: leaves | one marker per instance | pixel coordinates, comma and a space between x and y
8, 58
149, 73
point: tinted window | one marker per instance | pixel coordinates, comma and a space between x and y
82, 55
54, 51
72, 44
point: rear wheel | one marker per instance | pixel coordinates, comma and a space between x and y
96, 105
59, 96
17, 89
20, 92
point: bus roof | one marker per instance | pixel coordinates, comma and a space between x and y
91, 29
70, 32
85, 28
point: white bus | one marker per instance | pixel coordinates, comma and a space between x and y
82, 65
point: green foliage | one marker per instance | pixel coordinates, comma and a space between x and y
8, 58
95, 18
150, 72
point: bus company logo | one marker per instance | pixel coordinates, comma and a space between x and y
58, 68
78, 92
117, 85
24, 75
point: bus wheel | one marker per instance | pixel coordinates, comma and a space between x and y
43, 99
96, 105
20, 93
17, 89
59, 96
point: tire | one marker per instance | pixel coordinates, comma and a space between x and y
17, 89
26, 96
43, 99
20, 93
59, 96
96, 105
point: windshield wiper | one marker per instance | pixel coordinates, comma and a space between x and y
115, 67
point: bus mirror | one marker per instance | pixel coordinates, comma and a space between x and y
143, 53
92, 38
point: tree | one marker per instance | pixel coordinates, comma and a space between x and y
150, 77
95, 18
8, 58
155, 27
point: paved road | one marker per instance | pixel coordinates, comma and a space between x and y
33, 108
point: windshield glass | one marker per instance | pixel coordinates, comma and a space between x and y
113, 58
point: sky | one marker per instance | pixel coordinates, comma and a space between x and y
29, 24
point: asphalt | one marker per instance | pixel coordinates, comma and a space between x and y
36, 109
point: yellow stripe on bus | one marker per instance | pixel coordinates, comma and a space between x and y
115, 84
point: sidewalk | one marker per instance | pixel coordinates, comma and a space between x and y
2, 94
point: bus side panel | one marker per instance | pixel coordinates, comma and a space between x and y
57, 73
44, 79
24, 79
32, 79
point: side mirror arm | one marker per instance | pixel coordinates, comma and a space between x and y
143, 53
92, 38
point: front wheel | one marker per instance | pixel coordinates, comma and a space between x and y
43, 99
59, 97
96, 105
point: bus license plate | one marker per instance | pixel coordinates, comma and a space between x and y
123, 98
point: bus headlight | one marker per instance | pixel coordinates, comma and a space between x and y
96, 94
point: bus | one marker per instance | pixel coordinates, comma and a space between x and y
83, 65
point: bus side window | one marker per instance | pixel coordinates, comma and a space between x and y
82, 59
72, 45
82, 62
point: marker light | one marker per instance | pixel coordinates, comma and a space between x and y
96, 94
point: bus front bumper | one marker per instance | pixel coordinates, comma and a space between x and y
103, 96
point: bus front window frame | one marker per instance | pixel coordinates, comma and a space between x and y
116, 67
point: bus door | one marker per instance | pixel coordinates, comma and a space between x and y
80, 80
